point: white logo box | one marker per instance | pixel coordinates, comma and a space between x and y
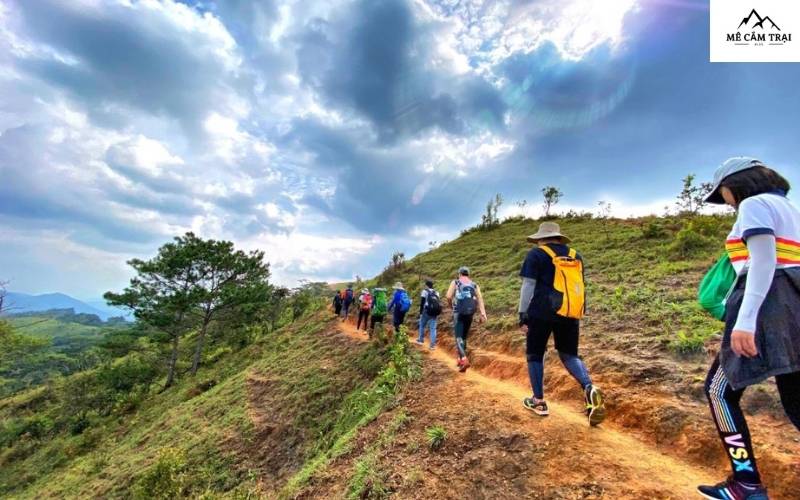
755, 31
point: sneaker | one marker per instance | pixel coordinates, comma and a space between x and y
420, 341
433, 347
464, 364
537, 407
595, 405
733, 490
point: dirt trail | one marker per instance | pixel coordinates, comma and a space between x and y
622, 465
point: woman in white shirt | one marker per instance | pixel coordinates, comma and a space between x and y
762, 316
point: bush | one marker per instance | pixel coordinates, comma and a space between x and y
691, 242
654, 230
125, 374
164, 479
436, 436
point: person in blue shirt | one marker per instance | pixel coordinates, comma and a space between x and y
399, 306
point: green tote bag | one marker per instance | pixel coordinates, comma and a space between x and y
716, 286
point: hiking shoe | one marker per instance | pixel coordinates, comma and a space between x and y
433, 347
420, 341
537, 407
595, 405
733, 490
464, 364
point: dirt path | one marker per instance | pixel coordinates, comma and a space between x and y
618, 463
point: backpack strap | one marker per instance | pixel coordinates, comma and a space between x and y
573, 254
549, 251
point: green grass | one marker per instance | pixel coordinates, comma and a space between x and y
194, 442
637, 275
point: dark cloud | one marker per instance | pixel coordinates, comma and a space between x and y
125, 56
374, 59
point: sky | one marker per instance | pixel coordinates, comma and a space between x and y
331, 133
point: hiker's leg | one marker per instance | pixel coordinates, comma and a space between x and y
423, 319
535, 347
432, 327
731, 425
566, 333
458, 330
467, 322
789, 389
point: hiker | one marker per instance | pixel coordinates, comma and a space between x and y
379, 309
762, 314
464, 295
430, 307
399, 306
552, 302
364, 306
337, 303
347, 302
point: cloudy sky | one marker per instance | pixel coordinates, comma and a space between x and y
330, 133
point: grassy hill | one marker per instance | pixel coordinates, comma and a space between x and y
261, 419
642, 274
306, 412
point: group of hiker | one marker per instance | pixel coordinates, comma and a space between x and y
754, 288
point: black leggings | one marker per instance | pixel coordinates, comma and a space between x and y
362, 314
462, 323
373, 321
731, 424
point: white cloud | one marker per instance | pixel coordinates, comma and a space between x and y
489, 31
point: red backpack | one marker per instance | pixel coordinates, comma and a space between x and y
366, 302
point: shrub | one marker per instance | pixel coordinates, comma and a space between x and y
654, 230
690, 242
688, 343
436, 436
166, 478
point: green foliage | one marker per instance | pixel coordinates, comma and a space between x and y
699, 236
655, 230
191, 283
436, 436
490, 219
692, 198
552, 195
689, 343
166, 479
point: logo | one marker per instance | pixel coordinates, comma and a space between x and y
740, 32
758, 37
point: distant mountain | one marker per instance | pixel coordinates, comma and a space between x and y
23, 303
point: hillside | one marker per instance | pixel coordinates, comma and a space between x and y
16, 303
315, 410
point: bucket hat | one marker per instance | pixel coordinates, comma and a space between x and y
548, 230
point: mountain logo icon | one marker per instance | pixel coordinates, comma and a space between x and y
760, 23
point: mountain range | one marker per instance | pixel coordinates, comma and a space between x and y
23, 303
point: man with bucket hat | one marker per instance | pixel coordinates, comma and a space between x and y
552, 302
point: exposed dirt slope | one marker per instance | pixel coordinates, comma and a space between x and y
497, 449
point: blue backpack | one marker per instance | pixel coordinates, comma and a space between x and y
405, 302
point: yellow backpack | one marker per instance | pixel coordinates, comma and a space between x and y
568, 280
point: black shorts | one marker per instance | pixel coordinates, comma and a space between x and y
565, 332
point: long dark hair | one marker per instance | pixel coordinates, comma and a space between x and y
753, 181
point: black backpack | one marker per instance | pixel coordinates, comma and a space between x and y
466, 298
433, 305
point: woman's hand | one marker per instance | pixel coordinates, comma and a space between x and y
744, 343
483, 317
